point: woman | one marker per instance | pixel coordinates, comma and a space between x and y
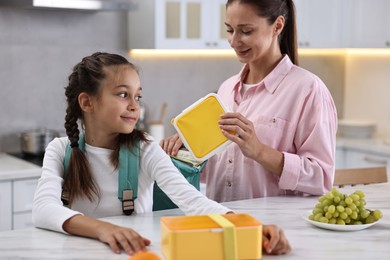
284, 116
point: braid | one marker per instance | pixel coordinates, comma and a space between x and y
78, 180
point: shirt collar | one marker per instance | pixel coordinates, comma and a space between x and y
272, 80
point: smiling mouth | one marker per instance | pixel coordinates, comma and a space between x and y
243, 52
129, 118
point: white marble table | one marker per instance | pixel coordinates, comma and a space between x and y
308, 242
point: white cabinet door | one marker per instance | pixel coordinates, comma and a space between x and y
215, 22
370, 26
320, 24
190, 24
23, 194
5, 206
178, 24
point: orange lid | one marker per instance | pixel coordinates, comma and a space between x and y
177, 223
144, 255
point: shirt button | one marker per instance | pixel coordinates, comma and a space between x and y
230, 160
273, 120
229, 184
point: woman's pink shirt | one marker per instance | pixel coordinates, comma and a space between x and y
293, 112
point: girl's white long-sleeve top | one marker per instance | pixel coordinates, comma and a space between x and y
155, 165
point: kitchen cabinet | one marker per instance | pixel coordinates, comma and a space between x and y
5, 206
320, 24
358, 159
23, 194
343, 24
370, 24
18, 181
352, 157
16, 203
340, 158
178, 24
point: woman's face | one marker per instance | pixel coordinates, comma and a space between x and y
117, 105
250, 35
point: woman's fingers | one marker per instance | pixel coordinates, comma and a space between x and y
235, 124
274, 240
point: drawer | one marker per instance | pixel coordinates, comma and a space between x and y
5, 206
355, 159
23, 194
22, 220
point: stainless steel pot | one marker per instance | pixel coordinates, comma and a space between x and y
35, 141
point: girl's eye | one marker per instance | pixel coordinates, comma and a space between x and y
122, 94
246, 32
138, 98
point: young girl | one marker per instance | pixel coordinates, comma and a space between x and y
103, 96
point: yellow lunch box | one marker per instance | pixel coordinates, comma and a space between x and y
230, 236
198, 127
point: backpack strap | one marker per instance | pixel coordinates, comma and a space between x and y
127, 177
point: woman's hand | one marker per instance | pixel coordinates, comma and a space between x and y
172, 144
274, 240
121, 238
241, 131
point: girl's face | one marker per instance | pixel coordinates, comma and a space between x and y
248, 34
117, 105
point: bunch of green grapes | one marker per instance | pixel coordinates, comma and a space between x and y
342, 209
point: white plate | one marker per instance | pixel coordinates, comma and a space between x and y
336, 227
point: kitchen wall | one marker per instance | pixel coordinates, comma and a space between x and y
180, 81
367, 90
39, 47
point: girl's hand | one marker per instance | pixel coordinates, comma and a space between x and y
274, 240
243, 135
121, 238
172, 144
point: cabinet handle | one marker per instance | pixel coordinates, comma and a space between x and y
208, 44
374, 160
387, 43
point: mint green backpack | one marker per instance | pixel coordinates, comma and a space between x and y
128, 178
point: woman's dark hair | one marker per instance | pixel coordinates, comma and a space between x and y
86, 77
272, 9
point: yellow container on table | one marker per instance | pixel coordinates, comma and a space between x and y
230, 236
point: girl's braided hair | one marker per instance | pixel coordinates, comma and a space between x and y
86, 77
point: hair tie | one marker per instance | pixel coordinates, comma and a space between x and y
74, 144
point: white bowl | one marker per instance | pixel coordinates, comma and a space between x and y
356, 128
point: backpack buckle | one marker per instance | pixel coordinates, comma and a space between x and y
127, 202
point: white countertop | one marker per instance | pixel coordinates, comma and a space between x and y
12, 168
308, 241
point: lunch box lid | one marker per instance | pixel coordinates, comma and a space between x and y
198, 127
